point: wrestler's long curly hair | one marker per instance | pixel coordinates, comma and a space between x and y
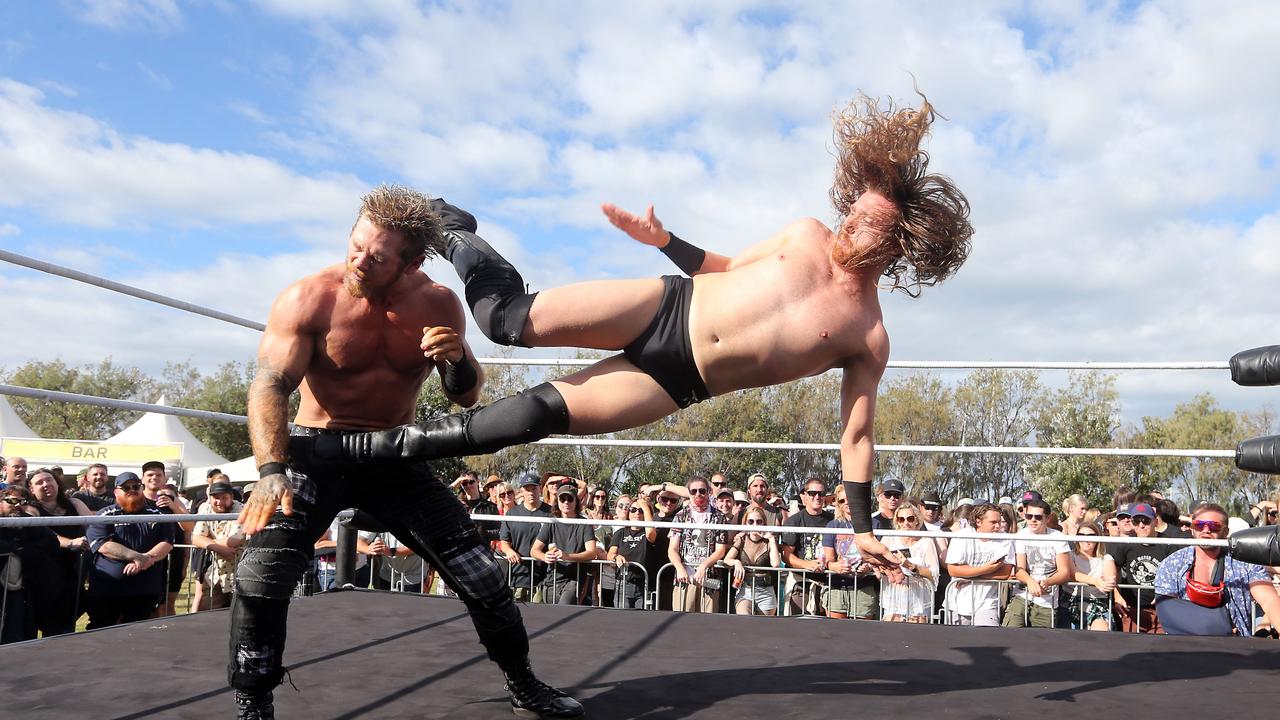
927, 238
407, 211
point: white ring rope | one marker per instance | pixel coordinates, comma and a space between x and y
778, 529
104, 283
700, 444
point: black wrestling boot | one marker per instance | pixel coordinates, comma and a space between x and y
254, 706
442, 437
532, 698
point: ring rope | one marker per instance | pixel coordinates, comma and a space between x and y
132, 291
699, 444
780, 529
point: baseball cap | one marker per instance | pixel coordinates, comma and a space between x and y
1006, 500
1142, 509
125, 477
892, 486
739, 496
724, 491
964, 501
1031, 496
670, 494
528, 479
931, 499
568, 486
222, 486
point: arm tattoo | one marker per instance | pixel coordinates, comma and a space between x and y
268, 411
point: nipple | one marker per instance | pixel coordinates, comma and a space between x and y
824, 334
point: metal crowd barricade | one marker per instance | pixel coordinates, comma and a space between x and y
552, 573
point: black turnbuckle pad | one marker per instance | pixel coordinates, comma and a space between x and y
1260, 455
1259, 545
1258, 367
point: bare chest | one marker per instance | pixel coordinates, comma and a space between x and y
360, 341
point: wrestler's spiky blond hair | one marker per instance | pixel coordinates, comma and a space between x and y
407, 211
927, 238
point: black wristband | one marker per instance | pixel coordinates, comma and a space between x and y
686, 257
459, 377
271, 468
859, 497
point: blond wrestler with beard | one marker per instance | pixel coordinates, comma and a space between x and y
796, 305
358, 339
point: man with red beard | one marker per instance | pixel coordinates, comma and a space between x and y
127, 579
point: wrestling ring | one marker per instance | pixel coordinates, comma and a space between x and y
370, 654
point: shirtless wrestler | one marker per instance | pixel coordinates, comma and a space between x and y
359, 339
798, 304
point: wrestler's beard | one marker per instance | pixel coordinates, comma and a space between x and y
354, 284
132, 503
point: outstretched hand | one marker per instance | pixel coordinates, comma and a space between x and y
875, 554
270, 492
647, 229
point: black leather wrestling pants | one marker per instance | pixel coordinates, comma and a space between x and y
419, 510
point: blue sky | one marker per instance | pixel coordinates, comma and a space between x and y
1120, 157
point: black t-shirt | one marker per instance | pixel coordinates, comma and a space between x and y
806, 546
521, 536
880, 521
1138, 565
1173, 531
488, 528
634, 548
94, 502
570, 539
656, 555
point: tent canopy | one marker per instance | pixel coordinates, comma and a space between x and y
11, 425
154, 428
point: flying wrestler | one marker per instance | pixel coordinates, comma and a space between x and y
798, 304
352, 339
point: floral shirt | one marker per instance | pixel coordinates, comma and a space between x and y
1171, 580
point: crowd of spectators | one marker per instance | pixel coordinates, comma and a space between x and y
56, 577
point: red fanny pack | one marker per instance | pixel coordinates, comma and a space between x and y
1210, 595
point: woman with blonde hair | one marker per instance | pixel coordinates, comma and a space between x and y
1096, 572
910, 601
757, 589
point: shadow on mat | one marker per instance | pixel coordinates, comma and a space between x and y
677, 695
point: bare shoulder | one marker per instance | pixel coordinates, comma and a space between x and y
427, 293
808, 228
301, 301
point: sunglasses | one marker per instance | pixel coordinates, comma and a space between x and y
469, 482
754, 521
1140, 520
1037, 516
1273, 513
842, 502
130, 488
892, 495
635, 510
622, 506
10, 500
814, 493
717, 484
1212, 526
568, 498
601, 496
699, 491
506, 494
908, 519
666, 500
1123, 518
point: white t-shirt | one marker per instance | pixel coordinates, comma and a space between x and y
964, 597
1042, 562
1091, 566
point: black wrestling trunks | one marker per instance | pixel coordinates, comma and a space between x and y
663, 350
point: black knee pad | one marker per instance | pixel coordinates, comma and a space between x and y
502, 319
270, 572
522, 418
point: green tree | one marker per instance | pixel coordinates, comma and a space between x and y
918, 409
1085, 413
76, 421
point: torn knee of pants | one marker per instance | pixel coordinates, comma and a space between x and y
258, 660
270, 572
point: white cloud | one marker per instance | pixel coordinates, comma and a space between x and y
9, 229
79, 170
148, 15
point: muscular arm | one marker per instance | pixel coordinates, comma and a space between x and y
283, 356
456, 319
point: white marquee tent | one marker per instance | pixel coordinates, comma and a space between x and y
155, 428
11, 426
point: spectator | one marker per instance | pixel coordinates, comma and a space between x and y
1073, 510
66, 570
852, 590
516, 541
490, 489
657, 553
1093, 516
64, 486
163, 497
603, 578
201, 495
1138, 563
395, 567
1111, 523
1087, 605
1262, 512
931, 511
566, 549
1169, 519
758, 493
977, 565
127, 580
627, 550
468, 488
1123, 497
961, 517
506, 497
97, 492
931, 507
222, 541
15, 472
1042, 565
803, 551
24, 553
1203, 591
757, 590
741, 501
912, 600
719, 482
695, 551
888, 499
